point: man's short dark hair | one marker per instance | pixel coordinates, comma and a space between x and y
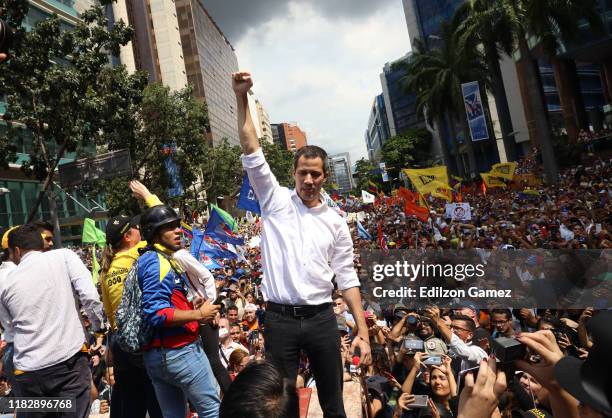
235, 324
260, 391
337, 296
500, 311
26, 237
43, 225
232, 308
310, 152
467, 321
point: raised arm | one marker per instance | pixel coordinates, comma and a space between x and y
242, 83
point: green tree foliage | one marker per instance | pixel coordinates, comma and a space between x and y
164, 117
365, 172
281, 163
222, 170
408, 150
60, 88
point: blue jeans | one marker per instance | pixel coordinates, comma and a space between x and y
180, 374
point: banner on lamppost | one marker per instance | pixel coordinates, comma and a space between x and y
383, 171
474, 111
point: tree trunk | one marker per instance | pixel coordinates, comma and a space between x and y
57, 233
440, 145
458, 161
47, 183
473, 167
572, 106
540, 113
501, 102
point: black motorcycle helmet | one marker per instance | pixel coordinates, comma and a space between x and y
154, 218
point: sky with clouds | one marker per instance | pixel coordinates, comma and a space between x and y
316, 62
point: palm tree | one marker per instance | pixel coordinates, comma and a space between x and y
435, 77
487, 24
502, 26
552, 22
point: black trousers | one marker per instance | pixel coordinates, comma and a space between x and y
319, 337
69, 379
133, 393
210, 343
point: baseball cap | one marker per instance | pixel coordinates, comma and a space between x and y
118, 226
590, 381
5, 235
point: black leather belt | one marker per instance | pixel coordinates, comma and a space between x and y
297, 311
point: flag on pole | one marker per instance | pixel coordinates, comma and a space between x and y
248, 200
492, 181
503, 170
382, 240
412, 209
219, 229
226, 217
427, 179
367, 197
186, 230
363, 233
92, 235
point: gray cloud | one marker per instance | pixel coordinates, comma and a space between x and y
235, 17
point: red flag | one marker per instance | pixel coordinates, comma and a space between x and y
382, 241
406, 194
412, 209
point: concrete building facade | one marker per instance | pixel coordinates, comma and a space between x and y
178, 43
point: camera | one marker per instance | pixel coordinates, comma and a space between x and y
6, 36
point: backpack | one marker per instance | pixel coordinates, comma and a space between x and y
133, 331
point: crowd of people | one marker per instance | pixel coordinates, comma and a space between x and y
232, 342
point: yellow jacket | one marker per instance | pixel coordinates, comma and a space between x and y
112, 281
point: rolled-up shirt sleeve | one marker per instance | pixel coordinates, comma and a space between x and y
264, 183
342, 260
82, 284
467, 352
205, 282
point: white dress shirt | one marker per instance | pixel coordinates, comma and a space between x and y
202, 279
226, 352
37, 296
301, 248
8, 334
470, 354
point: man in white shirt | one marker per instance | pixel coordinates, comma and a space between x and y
227, 344
6, 266
37, 297
459, 338
304, 245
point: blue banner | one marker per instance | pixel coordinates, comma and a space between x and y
176, 187
474, 111
217, 229
248, 200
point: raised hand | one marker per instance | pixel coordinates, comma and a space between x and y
139, 190
241, 82
480, 398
